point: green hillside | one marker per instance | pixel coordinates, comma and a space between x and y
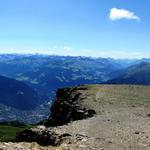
8, 131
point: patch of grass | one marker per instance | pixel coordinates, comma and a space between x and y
8, 132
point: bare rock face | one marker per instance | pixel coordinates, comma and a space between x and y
69, 107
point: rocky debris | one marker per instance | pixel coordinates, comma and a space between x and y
41, 136
69, 107
26, 146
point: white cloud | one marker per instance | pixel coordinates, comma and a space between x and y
117, 14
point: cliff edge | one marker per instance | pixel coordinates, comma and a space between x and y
70, 106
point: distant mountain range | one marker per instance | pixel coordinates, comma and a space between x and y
47, 73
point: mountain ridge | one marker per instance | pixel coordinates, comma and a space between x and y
17, 94
137, 74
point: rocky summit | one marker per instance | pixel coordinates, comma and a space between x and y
92, 117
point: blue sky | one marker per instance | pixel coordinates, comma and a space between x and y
101, 28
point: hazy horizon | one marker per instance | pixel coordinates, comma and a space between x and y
58, 55
82, 53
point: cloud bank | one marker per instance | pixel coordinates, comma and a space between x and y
117, 14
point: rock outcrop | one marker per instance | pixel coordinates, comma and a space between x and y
69, 106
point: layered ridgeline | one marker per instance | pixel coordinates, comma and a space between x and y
138, 74
18, 95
